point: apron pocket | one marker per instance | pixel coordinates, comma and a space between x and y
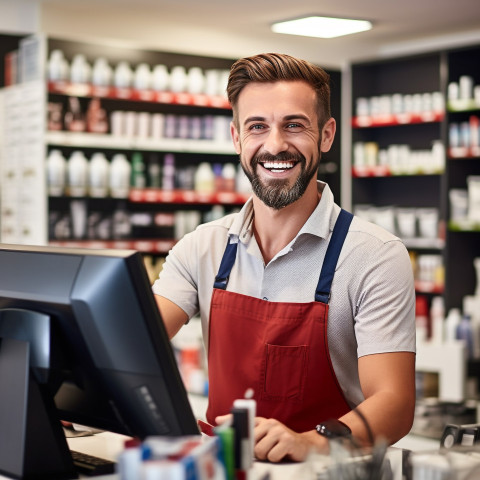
283, 372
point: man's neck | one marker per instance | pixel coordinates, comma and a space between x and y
275, 229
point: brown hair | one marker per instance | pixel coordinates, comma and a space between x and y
274, 67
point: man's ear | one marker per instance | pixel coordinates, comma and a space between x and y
235, 137
328, 134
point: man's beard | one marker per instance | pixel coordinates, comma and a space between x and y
276, 193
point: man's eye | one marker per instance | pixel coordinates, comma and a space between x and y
293, 125
256, 127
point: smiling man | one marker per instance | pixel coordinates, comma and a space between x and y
311, 308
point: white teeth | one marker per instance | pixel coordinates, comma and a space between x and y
278, 165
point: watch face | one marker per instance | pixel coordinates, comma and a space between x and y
333, 429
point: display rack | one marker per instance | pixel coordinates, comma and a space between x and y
188, 152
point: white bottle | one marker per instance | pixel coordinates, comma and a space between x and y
242, 183
471, 307
204, 179
80, 69
99, 175
168, 172
195, 80
229, 173
57, 67
160, 78
102, 73
142, 79
437, 316
77, 174
178, 79
123, 75
451, 324
120, 171
56, 173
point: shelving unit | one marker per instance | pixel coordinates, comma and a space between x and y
188, 152
463, 243
390, 182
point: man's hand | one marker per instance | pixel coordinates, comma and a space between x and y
275, 442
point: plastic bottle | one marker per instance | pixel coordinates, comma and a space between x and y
57, 66
138, 177
242, 183
120, 171
204, 180
471, 307
229, 173
154, 171
142, 77
453, 320
74, 116
178, 78
80, 69
421, 318
437, 316
56, 173
168, 177
77, 174
99, 175
123, 75
102, 73
465, 333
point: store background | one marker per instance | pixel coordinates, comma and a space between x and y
227, 30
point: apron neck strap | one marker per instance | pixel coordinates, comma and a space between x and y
339, 233
228, 260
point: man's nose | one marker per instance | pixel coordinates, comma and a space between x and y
275, 141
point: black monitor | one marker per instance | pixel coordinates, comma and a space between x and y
81, 340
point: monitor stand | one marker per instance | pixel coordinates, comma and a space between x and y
32, 442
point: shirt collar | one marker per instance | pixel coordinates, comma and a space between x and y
320, 222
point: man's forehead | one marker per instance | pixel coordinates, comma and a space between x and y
285, 98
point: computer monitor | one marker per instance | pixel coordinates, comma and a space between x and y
81, 340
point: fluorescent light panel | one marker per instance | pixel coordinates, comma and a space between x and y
321, 27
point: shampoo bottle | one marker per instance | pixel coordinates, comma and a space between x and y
99, 175
77, 174
56, 173
451, 324
120, 171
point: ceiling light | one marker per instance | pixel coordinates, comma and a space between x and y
321, 27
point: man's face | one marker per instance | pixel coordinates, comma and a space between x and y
278, 139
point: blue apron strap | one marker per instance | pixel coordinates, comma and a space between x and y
331, 256
226, 265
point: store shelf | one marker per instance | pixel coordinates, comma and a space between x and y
428, 287
154, 246
106, 141
467, 105
464, 152
171, 98
420, 243
465, 225
397, 119
189, 197
385, 171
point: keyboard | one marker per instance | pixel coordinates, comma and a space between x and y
91, 465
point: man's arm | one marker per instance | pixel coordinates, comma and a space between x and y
172, 315
388, 383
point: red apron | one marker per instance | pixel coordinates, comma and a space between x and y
280, 350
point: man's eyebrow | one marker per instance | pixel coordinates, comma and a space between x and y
297, 116
293, 116
254, 119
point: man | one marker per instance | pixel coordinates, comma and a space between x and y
256, 278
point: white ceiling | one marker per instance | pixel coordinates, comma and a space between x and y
234, 28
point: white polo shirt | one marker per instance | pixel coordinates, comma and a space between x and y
372, 304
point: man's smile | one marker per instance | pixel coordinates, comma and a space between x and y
277, 167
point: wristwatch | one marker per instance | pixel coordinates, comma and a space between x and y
333, 429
